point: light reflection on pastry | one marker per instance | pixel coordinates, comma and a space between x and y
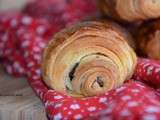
88, 59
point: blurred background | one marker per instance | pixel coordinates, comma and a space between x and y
12, 4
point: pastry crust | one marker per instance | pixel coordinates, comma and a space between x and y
88, 59
148, 39
131, 10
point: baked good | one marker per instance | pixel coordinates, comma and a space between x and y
148, 39
88, 59
131, 10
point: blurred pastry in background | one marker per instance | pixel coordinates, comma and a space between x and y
130, 10
148, 39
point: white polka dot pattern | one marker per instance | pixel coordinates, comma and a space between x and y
130, 101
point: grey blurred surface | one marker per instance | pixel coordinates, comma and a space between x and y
12, 4
18, 101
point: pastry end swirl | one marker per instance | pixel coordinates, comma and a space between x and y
87, 59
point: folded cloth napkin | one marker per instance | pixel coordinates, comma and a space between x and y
22, 40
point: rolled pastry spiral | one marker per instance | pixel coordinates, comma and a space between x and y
88, 59
131, 10
148, 39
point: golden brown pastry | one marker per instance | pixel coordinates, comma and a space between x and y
88, 59
131, 10
148, 39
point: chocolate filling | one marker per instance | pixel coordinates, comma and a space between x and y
67, 88
99, 81
71, 74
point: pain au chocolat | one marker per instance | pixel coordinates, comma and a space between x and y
88, 59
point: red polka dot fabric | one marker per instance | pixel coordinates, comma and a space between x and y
20, 37
22, 40
132, 101
148, 71
62, 12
